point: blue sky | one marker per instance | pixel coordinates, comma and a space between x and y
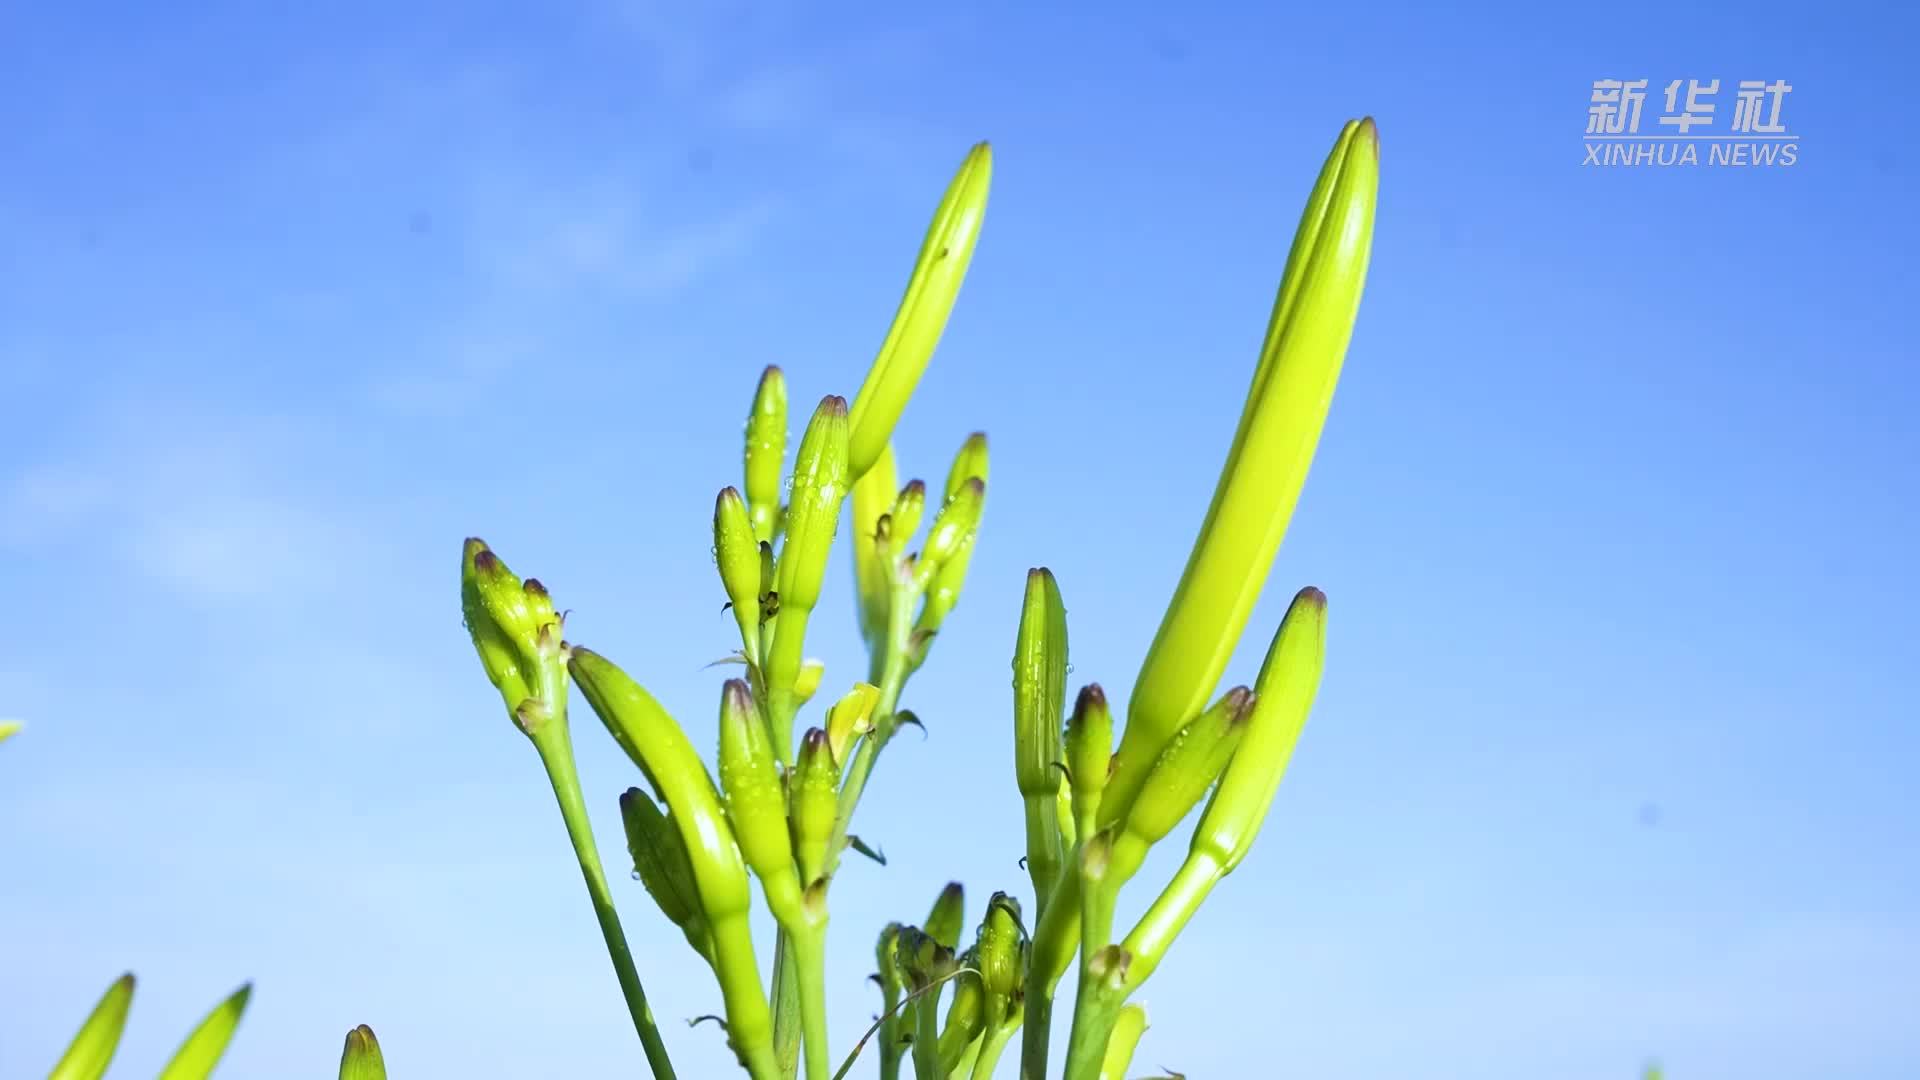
1614, 508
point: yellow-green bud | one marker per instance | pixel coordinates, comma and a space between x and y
813, 514
756, 803
361, 1059
1039, 685
943, 589
873, 496
517, 635
738, 555
659, 858
948, 916
952, 530
904, 516
766, 452
1089, 751
807, 683
816, 804
999, 947
1266, 468
923, 312
1188, 765
1288, 683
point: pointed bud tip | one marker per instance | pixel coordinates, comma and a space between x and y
533, 587
737, 695
1370, 132
953, 891
815, 740
1239, 702
727, 495
915, 487
833, 405
1091, 697
976, 441
1313, 596
772, 373
485, 561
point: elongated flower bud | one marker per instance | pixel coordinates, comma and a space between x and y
203, 1049
1289, 680
517, 635
873, 497
922, 316
850, 718
966, 1016
756, 803
1187, 767
360, 1058
766, 452
660, 861
948, 916
816, 803
92, 1050
1039, 685
813, 514
1089, 750
655, 742
1279, 429
738, 555
952, 531
943, 589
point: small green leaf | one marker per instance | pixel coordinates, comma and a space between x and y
203, 1049
860, 846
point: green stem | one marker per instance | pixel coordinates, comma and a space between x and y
1036, 1033
786, 1005
810, 962
556, 753
1096, 1008
890, 1048
926, 1038
991, 1044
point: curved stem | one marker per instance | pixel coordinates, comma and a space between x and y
991, 1044
556, 753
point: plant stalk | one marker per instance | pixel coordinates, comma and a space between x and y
556, 753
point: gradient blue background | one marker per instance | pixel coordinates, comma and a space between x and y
1615, 507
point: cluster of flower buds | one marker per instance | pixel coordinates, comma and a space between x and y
987, 980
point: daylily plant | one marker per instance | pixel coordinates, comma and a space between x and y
781, 808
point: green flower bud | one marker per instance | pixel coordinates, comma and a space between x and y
756, 801
1089, 751
966, 1016
766, 452
197, 1057
819, 486
908, 506
873, 496
1187, 767
360, 1059
1127, 1029
923, 959
943, 589
851, 718
949, 914
660, 862
999, 947
738, 554
816, 804
92, 1050
517, 635
1279, 429
1039, 685
656, 744
923, 312
1039, 697
1288, 683
952, 531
